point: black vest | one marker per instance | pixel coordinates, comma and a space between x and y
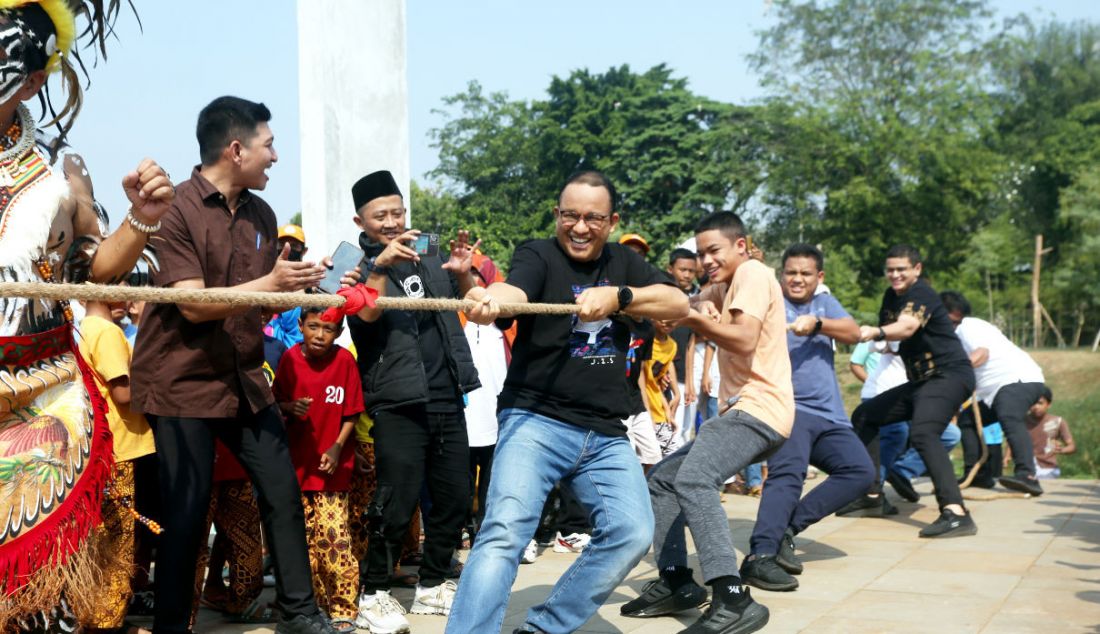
389, 355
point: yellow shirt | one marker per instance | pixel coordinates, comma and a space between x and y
762, 379
655, 368
105, 349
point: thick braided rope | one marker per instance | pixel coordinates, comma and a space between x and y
105, 293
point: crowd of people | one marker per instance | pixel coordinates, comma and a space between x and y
330, 467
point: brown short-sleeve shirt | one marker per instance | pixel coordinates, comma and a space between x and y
212, 369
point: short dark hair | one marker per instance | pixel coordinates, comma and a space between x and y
727, 222
317, 310
226, 119
1047, 394
803, 250
955, 302
593, 178
680, 254
905, 251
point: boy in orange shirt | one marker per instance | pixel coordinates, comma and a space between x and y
744, 315
104, 347
319, 391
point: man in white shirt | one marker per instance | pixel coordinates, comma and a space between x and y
1009, 381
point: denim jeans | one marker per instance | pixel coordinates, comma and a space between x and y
533, 453
754, 474
909, 463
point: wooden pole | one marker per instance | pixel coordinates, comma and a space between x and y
1036, 310
1050, 322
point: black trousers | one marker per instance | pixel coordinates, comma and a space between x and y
409, 445
1010, 406
929, 406
972, 449
185, 449
481, 458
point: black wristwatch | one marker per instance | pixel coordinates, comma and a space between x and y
625, 297
881, 336
376, 268
817, 326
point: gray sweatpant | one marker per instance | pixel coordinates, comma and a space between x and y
684, 487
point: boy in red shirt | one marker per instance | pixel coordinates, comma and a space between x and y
318, 389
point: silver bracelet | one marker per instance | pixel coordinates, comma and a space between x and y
140, 226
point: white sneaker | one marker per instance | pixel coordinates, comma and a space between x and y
435, 600
380, 613
574, 543
531, 553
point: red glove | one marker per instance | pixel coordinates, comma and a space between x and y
358, 297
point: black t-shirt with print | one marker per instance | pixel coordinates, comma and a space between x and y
562, 368
934, 349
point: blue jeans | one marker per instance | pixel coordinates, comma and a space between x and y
909, 463
753, 474
892, 440
534, 452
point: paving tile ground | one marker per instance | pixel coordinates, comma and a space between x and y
1033, 567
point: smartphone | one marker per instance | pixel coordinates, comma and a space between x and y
345, 258
426, 244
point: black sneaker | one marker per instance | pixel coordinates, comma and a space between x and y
902, 486
867, 506
786, 558
744, 617
658, 598
950, 525
526, 629
1022, 484
762, 571
303, 624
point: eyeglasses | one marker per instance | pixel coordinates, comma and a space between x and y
595, 221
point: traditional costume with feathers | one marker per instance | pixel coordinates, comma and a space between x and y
55, 445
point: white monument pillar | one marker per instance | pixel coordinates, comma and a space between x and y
353, 100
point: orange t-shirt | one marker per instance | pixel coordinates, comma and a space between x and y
762, 379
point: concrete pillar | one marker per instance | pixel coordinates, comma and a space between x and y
353, 102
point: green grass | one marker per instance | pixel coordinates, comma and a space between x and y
1073, 376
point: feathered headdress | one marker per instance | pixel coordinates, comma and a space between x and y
52, 44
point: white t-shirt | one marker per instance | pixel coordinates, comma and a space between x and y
888, 374
1006, 364
697, 368
487, 349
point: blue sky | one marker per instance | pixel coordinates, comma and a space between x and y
144, 98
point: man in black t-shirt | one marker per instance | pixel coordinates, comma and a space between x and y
561, 413
940, 380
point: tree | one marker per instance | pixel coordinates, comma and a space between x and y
887, 105
674, 156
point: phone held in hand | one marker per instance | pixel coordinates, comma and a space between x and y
426, 244
345, 258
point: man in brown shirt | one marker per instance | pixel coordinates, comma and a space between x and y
197, 367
